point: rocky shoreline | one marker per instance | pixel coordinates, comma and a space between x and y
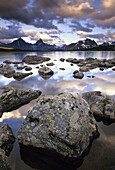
59, 127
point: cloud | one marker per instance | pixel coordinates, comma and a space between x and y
74, 10
108, 36
11, 32
76, 26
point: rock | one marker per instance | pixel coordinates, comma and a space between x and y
17, 62
71, 64
50, 64
1, 65
78, 75
6, 138
3, 164
34, 59
45, 72
101, 68
19, 76
62, 59
84, 69
62, 69
76, 71
101, 106
37, 67
113, 69
7, 71
60, 124
20, 67
27, 68
7, 62
11, 99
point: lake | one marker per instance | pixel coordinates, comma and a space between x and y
102, 152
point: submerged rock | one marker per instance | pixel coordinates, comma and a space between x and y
19, 76
34, 59
101, 106
11, 98
60, 124
45, 72
3, 164
6, 138
7, 71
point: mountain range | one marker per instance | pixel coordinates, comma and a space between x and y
20, 44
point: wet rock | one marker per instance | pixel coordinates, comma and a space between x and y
101, 68
78, 75
71, 64
91, 76
1, 65
76, 71
84, 69
50, 64
27, 68
101, 106
3, 164
113, 69
62, 69
7, 62
7, 71
11, 98
19, 76
37, 67
59, 124
62, 59
17, 62
6, 138
20, 67
34, 59
45, 72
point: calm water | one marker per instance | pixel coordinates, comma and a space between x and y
102, 153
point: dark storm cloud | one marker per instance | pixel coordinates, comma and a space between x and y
76, 26
42, 13
12, 31
21, 11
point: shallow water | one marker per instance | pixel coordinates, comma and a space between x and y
102, 153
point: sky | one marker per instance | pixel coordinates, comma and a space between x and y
57, 21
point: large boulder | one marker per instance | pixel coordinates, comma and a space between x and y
60, 124
6, 138
7, 70
101, 106
34, 59
11, 98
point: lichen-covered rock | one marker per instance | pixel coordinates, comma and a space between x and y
6, 138
3, 164
101, 106
11, 98
45, 72
34, 59
19, 76
7, 71
60, 123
